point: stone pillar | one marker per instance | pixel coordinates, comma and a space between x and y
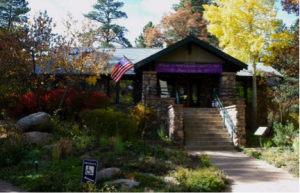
227, 85
175, 124
149, 84
237, 113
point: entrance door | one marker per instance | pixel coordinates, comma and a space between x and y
183, 92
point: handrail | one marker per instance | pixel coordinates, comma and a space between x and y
226, 118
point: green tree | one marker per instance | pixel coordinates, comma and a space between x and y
140, 41
12, 11
106, 12
197, 5
286, 97
244, 28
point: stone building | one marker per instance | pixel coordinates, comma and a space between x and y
184, 83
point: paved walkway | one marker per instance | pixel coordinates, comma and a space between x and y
247, 174
7, 187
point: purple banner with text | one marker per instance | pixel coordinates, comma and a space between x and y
189, 68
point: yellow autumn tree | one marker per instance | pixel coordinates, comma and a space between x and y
244, 29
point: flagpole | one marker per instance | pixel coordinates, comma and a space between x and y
118, 92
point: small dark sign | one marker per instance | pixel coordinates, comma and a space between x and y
89, 171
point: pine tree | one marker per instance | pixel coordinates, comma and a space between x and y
106, 11
140, 41
197, 5
12, 11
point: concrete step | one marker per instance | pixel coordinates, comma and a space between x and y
201, 116
208, 143
201, 123
201, 113
209, 148
193, 118
199, 109
208, 135
204, 128
207, 139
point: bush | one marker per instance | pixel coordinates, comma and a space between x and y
110, 123
295, 145
12, 150
52, 99
17, 106
284, 134
142, 115
12, 105
209, 179
77, 101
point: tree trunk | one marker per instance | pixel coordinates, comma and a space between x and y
254, 99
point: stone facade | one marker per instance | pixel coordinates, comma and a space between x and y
236, 109
160, 106
227, 84
149, 82
175, 124
170, 115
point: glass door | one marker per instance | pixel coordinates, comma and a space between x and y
182, 92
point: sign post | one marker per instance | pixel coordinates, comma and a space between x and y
260, 132
89, 171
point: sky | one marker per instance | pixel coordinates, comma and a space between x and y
139, 12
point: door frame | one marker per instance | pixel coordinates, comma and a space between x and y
177, 82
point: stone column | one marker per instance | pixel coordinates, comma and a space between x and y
227, 85
237, 114
149, 84
175, 124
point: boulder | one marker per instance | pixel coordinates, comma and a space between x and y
35, 122
171, 180
36, 137
69, 149
108, 173
126, 184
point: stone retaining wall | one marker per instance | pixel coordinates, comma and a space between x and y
236, 109
160, 106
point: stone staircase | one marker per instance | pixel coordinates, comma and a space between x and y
204, 130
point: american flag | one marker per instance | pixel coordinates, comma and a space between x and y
121, 68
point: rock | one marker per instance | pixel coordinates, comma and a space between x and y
35, 122
171, 180
108, 173
69, 150
147, 189
126, 184
36, 137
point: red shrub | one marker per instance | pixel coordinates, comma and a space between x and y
28, 100
75, 101
79, 100
52, 99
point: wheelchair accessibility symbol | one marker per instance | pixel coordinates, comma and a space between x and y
89, 170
